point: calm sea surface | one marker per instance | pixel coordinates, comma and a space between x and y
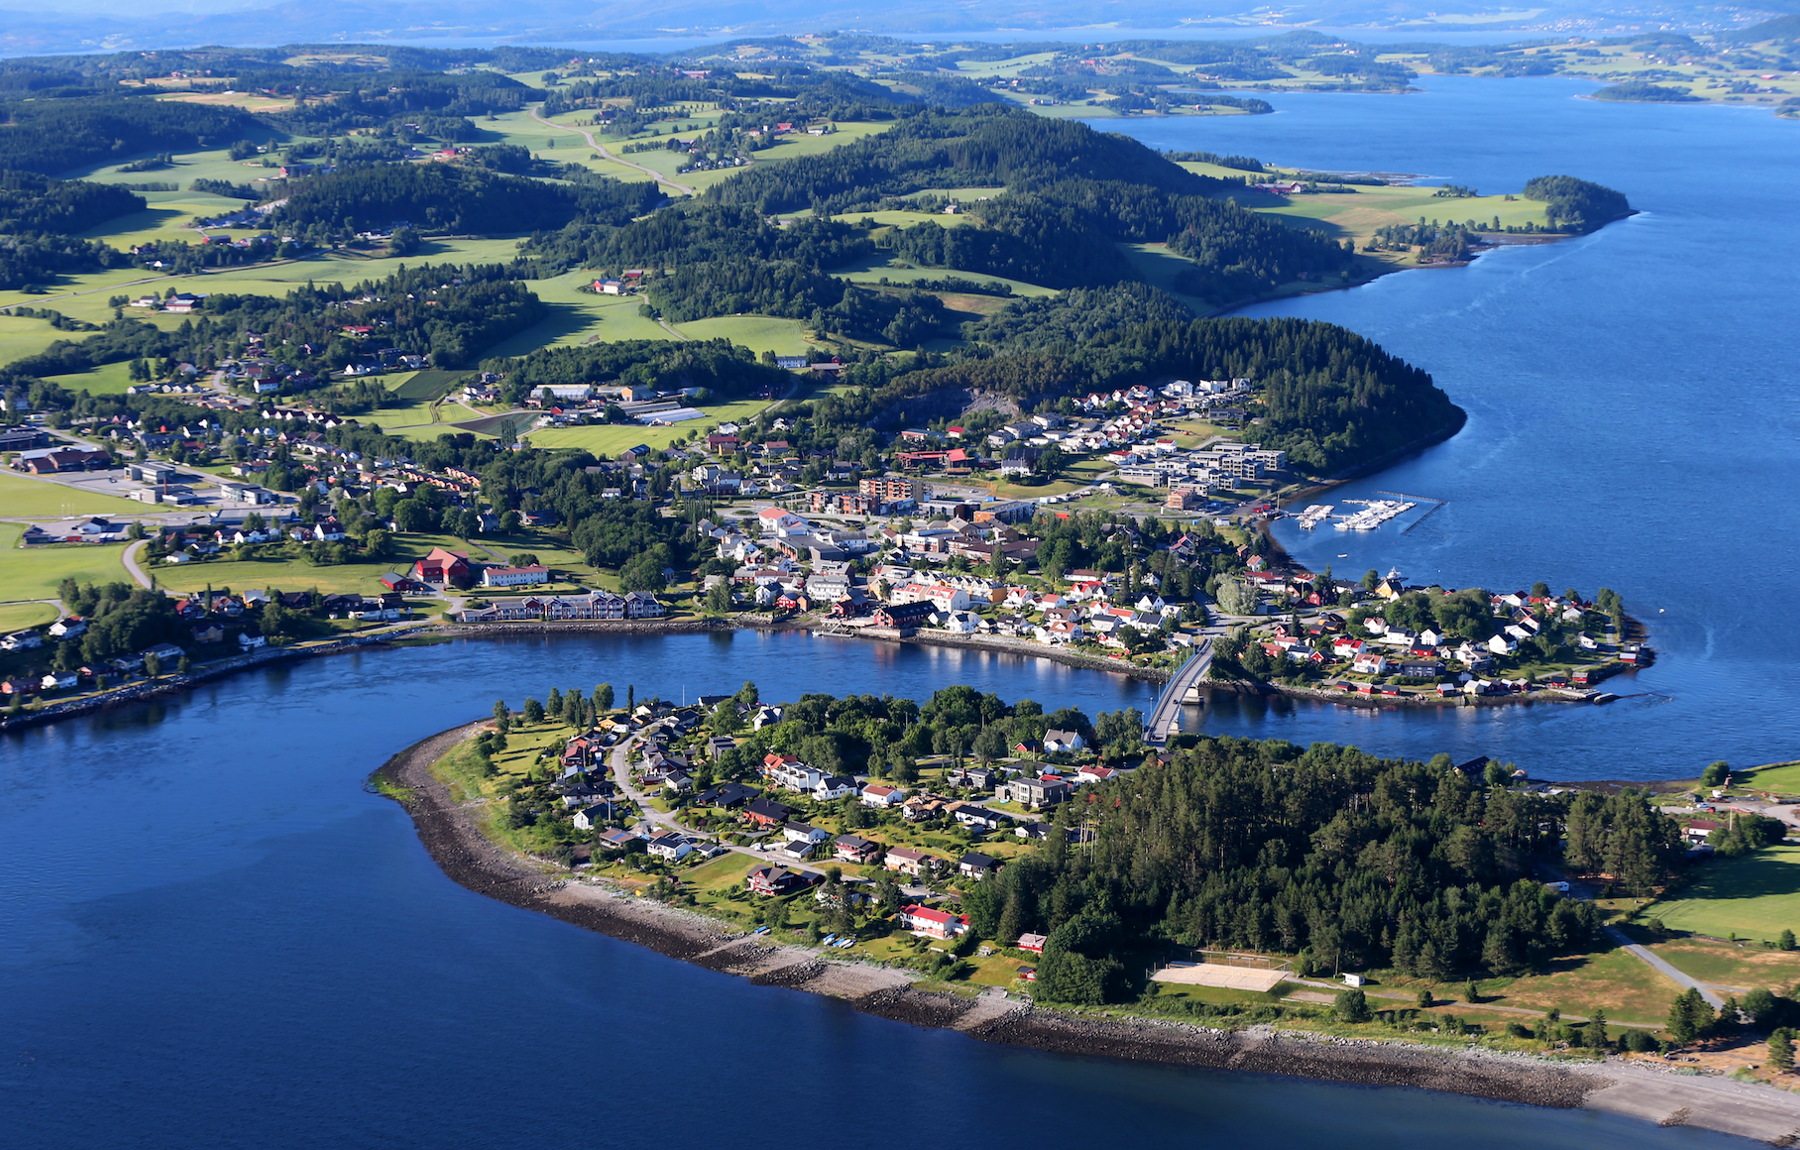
1633, 399
211, 937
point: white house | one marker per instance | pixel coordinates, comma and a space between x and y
882, 796
1062, 742
515, 576
1501, 645
1369, 663
779, 521
671, 847
834, 787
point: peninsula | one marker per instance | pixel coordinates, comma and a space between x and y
958, 863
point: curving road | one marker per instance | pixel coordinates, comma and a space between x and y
129, 557
1644, 955
619, 761
537, 115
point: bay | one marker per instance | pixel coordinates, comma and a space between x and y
1633, 415
211, 936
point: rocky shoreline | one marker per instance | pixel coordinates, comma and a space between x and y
454, 842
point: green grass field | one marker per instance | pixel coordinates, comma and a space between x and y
295, 574
281, 574
428, 385
1778, 778
610, 440
14, 616
1756, 896
20, 337
23, 496
107, 379
876, 268
36, 574
1724, 964
759, 333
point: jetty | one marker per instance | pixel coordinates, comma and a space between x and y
1314, 515
1185, 682
1374, 514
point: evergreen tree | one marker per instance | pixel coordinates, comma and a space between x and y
1781, 1049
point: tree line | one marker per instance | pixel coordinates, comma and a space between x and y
1332, 855
458, 198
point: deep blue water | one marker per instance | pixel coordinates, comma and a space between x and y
211, 937
1633, 414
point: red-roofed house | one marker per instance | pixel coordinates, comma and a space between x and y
932, 923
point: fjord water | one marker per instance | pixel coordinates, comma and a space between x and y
1632, 399
211, 936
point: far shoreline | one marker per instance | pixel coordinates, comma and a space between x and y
427, 632
1617, 1086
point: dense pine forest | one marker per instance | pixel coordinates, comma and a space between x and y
1331, 854
459, 199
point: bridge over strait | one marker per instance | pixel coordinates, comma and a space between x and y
1182, 687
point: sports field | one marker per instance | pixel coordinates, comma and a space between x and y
36, 574
23, 496
1755, 896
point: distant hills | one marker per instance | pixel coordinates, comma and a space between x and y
28, 27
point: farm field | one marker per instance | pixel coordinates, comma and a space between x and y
208, 164
759, 333
1755, 896
25, 497
877, 267
36, 574
20, 337
578, 317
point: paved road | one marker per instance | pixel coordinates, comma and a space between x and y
537, 115
1581, 890
129, 557
620, 764
1162, 719
1643, 954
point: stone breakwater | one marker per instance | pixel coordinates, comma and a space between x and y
450, 835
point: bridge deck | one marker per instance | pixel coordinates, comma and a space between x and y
1162, 719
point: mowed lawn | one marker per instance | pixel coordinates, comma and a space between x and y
14, 616
37, 573
1777, 778
1756, 896
107, 379
21, 496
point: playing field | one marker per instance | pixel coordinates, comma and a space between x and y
1217, 974
22, 496
1756, 896
36, 574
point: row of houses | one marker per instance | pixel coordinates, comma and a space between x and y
594, 605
